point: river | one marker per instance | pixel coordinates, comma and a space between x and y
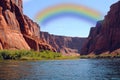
81, 69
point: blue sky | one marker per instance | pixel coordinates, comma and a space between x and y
66, 26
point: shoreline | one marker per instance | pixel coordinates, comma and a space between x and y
48, 55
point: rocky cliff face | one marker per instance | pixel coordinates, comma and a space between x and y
17, 31
65, 45
105, 37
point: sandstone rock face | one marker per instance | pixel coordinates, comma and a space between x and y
33, 27
65, 45
105, 37
17, 31
10, 35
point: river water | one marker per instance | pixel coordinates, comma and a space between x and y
82, 69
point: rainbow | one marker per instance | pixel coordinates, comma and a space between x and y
71, 10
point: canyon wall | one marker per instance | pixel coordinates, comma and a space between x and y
63, 44
17, 31
105, 37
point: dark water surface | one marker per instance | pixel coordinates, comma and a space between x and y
83, 69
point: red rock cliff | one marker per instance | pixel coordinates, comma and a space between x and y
105, 37
63, 44
17, 31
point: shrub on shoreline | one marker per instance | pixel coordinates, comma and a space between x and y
27, 55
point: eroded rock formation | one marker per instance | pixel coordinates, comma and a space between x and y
17, 31
105, 37
63, 44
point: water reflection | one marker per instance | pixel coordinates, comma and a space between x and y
84, 69
14, 70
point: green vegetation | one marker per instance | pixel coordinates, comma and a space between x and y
104, 55
27, 55
46, 55
32, 55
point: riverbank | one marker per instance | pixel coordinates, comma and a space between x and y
27, 55
33, 55
102, 55
47, 55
